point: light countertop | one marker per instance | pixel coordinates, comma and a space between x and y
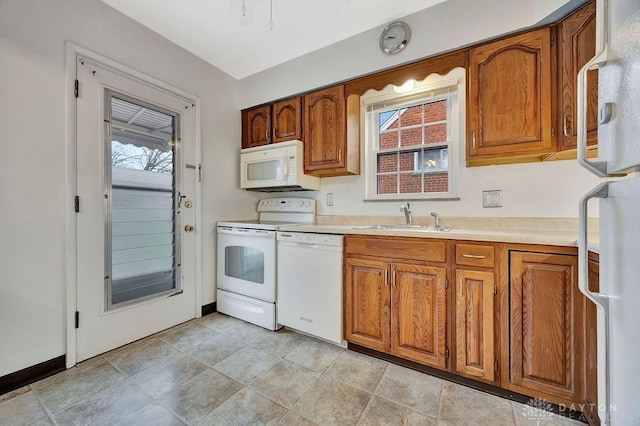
560, 232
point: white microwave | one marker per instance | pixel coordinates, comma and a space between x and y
275, 168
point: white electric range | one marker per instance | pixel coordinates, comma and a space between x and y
247, 259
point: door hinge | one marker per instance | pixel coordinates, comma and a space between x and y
199, 172
553, 132
76, 88
553, 40
446, 283
446, 353
76, 204
77, 319
495, 289
495, 365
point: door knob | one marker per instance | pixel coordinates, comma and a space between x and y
189, 228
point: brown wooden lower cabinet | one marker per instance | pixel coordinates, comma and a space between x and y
396, 307
396, 302
419, 313
547, 327
474, 334
367, 303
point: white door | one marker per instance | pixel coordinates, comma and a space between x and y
136, 183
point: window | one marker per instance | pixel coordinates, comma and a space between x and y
409, 136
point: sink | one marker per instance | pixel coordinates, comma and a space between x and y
391, 227
403, 228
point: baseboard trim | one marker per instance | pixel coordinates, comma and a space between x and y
209, 308
484, 387
32, 374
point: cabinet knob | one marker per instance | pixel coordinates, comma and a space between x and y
189, 228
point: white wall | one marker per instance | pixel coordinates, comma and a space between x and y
529, 190
444, 27
32, 166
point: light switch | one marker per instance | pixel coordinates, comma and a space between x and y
330, 199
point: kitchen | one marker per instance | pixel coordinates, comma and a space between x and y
528, 189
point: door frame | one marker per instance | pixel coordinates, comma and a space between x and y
72, 51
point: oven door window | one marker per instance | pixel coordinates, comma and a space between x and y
244, 263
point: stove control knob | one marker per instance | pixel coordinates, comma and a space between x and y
307, 203
301, 203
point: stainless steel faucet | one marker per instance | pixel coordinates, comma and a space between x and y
436, 221
407, 213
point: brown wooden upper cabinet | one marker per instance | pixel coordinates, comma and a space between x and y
287, 120
331, 132
256, 126
279, 122
577, 41
510, 99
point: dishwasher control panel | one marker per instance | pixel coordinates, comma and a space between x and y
311, 239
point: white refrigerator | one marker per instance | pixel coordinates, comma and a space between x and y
618, 301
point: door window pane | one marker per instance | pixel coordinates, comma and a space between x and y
142, 254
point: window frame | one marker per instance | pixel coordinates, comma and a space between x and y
431, 89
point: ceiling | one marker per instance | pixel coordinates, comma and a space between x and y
216, 30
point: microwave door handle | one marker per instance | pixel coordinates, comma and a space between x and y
285, 167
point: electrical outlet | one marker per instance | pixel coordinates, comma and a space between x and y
330, 199
492, 198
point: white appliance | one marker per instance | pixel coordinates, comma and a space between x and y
618, 300
310, 284
247, 259
275, 168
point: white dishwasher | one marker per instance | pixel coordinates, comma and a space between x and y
309, 284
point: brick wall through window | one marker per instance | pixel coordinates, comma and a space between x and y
421, 126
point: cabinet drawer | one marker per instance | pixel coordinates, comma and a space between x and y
397, 248
475, 255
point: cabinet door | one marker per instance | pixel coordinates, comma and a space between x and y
367, 303
546, 341
474, 323
510, 110
287, 120
324, 130
419, 313
256, 127
577, 41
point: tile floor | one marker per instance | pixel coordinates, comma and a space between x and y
218, 370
